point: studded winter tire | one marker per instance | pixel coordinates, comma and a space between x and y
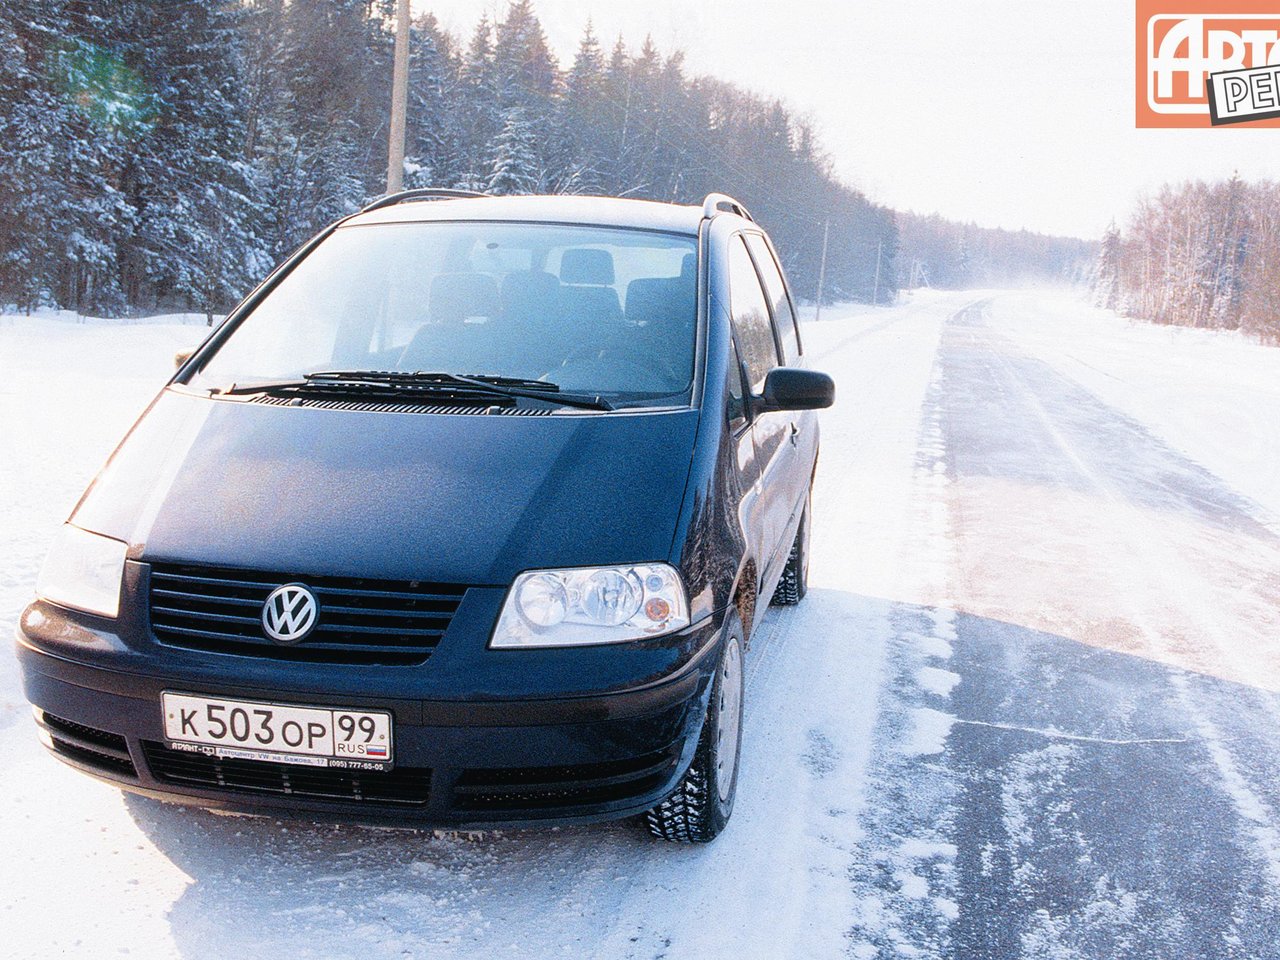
698, 809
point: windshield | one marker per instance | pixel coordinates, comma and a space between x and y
599, 311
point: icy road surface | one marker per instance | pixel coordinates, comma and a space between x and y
1029, 708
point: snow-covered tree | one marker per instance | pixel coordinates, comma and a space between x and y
1106, 274
528, 76
67, 106
198, 199
165, 152
515, 161
584, 120
480, 97
435, 130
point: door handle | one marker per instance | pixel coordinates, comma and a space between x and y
795, 432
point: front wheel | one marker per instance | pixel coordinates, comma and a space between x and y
701, 804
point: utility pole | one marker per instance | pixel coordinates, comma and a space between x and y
822, 270
399, 100
875, 297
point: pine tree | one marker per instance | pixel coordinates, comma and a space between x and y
83, 107
515, 161
435, 133
197, 198
584, 120
264, 79
31, 120
479, 90
529, 81
1106, 275
528, 75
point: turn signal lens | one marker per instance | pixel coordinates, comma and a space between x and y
657, 609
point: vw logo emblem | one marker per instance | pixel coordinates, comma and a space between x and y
290, 613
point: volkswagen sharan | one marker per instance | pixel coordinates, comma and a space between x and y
463, 518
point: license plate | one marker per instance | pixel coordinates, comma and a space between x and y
282, 733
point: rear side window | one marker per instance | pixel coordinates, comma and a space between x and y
783, 316
750, 316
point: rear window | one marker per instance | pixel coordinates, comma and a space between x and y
596, 310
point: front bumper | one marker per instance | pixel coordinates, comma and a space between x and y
460, 763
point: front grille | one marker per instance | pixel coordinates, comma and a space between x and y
361, 621
401, 786
534, 788
88, 745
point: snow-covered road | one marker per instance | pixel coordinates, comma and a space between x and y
1029, 709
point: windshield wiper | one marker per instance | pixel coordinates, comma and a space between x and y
481, 383
394, 382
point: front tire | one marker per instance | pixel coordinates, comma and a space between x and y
700, 806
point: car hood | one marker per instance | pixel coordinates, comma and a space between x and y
402, 496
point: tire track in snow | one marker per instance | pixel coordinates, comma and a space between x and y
905, 876
913, 312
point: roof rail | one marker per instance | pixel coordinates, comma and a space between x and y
711, 206
424, 193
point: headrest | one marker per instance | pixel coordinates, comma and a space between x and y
527, 293
456, 296
587, 266
689, 266
660, 301
590, 305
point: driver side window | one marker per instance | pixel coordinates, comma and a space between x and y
750, 312
734, 403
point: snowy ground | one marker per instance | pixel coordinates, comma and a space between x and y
1029, 708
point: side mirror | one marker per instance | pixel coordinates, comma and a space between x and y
181, 357
791, 388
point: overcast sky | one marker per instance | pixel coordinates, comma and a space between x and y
1013, 113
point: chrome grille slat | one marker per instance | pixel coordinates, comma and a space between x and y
219, 617
362, 621
203, 598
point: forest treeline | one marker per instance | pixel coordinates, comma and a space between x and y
955, 256
1199, 255
165, 153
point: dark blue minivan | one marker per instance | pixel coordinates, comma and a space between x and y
464, 517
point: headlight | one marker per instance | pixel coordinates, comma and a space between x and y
571, 608
83, 571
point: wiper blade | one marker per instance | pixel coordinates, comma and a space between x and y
416, 377
393, 382
256, 386
324, 381
517, 387
513, 381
